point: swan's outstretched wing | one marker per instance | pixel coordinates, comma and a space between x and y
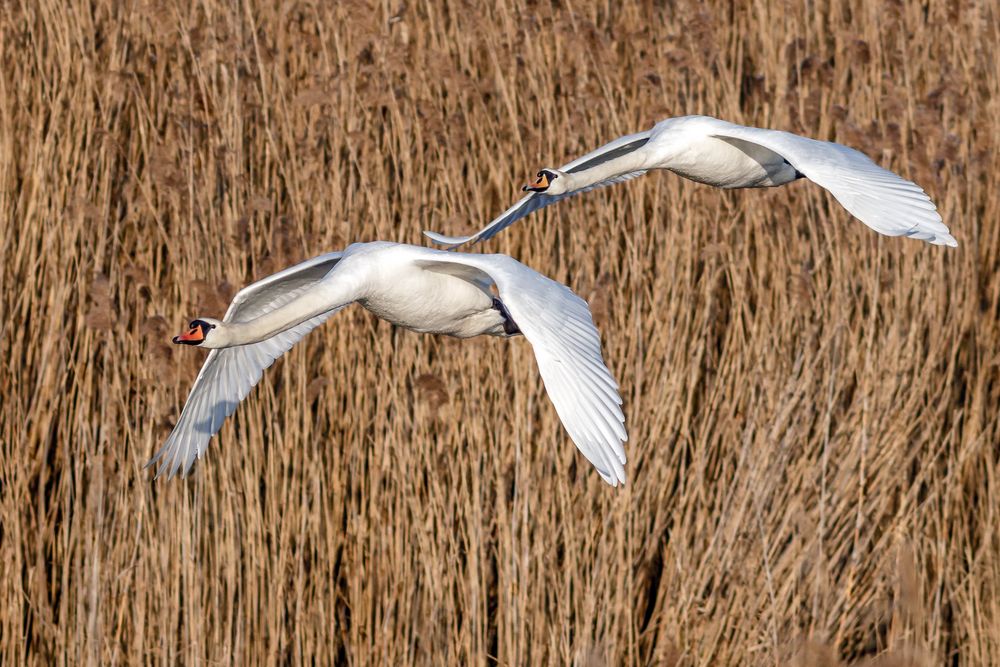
536, 200
567, 347
228, 375
884, 201
225, 379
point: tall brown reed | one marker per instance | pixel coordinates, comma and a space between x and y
812, 408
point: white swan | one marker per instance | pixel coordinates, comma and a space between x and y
428, 291
719, 153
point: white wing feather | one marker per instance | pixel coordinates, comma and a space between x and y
226, 378
567, 348
881, 199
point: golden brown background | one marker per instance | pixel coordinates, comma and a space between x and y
813, 409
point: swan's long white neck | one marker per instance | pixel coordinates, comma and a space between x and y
323, 298
580, 180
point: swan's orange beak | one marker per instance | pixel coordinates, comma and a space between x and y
194, 336
540, 185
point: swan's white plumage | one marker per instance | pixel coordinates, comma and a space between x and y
382, 276
567, 348
723, 154
881, 199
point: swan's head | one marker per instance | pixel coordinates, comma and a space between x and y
198, 333
549, 181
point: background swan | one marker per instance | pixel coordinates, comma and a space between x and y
726, 155
428, 291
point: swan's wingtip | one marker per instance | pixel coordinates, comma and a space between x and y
943, 238
450, 241
616, 477
158, 471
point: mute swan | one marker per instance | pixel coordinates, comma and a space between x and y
422, 289
719, 153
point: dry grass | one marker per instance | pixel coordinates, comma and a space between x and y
812, 408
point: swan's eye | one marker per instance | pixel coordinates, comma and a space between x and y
203, 325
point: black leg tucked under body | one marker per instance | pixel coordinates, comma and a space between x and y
509, 327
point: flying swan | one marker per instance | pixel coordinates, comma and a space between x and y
726, 155
422, 289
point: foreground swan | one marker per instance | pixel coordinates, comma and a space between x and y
428, 291
719, 153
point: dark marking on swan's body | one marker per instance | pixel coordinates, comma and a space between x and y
798, 174
509, 326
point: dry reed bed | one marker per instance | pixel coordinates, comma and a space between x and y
812, 409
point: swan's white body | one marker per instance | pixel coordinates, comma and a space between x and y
726, 155
428, 291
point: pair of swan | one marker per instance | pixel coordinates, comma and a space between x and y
433, 291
